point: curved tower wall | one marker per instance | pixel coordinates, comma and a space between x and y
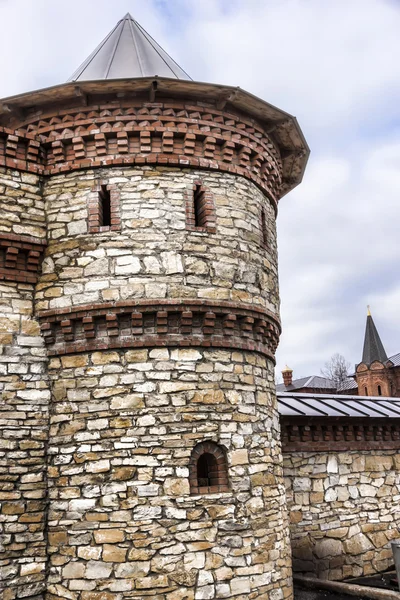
24, 389
160, 336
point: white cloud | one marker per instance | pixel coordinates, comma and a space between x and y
332, 64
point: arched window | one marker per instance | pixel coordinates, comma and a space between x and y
379, 390
208, 473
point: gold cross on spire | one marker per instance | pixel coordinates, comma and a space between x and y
368, 310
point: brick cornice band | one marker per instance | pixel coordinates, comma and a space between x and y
20, 257
301, 434
167, 134
160, 323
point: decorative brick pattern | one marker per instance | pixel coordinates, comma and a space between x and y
159, 323
322, 435
214, 460
95, 209
20, 258
167, 133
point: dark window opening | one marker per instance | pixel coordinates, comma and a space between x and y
207, 470
264, 231
104, 207
379, 390
366, 391
200, 215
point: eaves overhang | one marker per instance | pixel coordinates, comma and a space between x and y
282, 127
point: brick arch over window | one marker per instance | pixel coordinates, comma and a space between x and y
208, 469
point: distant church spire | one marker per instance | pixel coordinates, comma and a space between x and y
128, 51
373, 347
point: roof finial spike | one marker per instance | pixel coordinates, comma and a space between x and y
368, 311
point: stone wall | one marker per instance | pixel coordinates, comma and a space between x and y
24, 391
122, 520
155, 255
23, 435
343, 510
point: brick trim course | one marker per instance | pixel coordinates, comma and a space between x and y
300, 434
168, 134
20, 257
159, 323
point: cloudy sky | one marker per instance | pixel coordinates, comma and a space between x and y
335, 66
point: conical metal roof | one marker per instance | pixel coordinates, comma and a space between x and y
373, 347
128, 51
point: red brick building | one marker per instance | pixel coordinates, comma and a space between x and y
376, 374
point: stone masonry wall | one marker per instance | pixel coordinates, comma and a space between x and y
343, 510
24, 399
154, 255
122, 522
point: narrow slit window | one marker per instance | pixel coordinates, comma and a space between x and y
264, 231
366, 391
379, 390
200, 215
104, 207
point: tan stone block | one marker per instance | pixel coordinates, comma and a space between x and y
110, 536
209, 397
239, 457
96, 517
295, 516
32, 568
105, 358
89, 552
124, 473
127, 402
339, 532
136, 356
121, 422
263, 479
148, 583
176, 487
140, 554
29, 327
98, 596
378, 463
77, 360
73, 570
113, 553
316, 497
13, 508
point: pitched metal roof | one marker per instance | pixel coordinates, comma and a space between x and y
347, 384
373, 347
128, 51
314, 381
333, 405
395, 359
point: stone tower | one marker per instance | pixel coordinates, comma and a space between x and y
139, 451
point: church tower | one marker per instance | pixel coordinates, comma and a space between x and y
372, 374
140, 447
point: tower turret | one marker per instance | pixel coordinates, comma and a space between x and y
158, 451
372, 374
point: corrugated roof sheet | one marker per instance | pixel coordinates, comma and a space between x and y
128, 51
333, 405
